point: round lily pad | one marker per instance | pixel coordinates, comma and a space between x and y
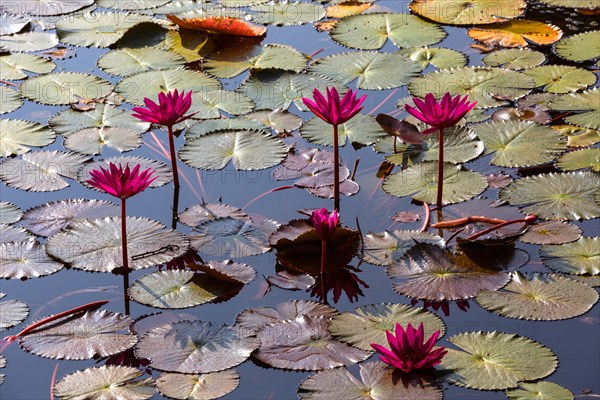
64, 88
12, 313
281, 121
431, 273
368, 324
28, 41
160, 170
388, 247
24, 260
579, 257
439, 57
495, 360
361, 129
587, 101
515, 59
476, 12
10, 100
580, 159
108, 381
125, 62
420, 181
521, 114
194, 347
48, 7
551, 232
581, 47
228, 271
209, 104
103, 115
516, 33
96, 245
222, 124
538, 391
9, 213
561, 78
539, 297
17, 135
93, 334
198, 387
199, 213
556, 196
572, 3
11, 233
15, 66
92, 141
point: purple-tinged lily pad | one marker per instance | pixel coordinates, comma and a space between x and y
551, 232
24, 260
12, 312
387, 247
198, 387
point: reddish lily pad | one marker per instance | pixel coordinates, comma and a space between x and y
198, 387
551, 232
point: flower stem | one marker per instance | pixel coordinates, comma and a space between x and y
173, 157
440, 187
323, 268
125, 256
427, 218
336, 170
175, 207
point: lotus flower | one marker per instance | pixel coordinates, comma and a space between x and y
408, 349
169, 111
121, 183
444, 114
333, 110
325, 223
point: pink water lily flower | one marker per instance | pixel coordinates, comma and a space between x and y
444, 114
325, 223
169, 111
333, 110
121, 182
408, 349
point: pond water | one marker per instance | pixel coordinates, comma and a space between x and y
575, 341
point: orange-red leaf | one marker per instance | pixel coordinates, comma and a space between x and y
516, 33
219, 25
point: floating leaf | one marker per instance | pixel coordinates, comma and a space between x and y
131, 4
371, 31
219, 25
281, 121
477, 12
41, 171
388, 247
377, 381
524, 114
368, 323
228, 271
175, 289
580, 159
9, 213
428, 272
285, 13
539, 297
222, 124
439, 57
2, 365
17, 135
65, 88
579, 257
551, 232
194, 347
588, 101
10, 99
561, 78
248, 150
361, 129
203, 212
162, 173
494, 360
572, 3
12, 313
69, 121
47, 219
556, 196
519, 143
13, 66
106, 382
46, 7
24, 260
198, 387
516, 33
515, 59
541, 390
578, 136
28, 42
11, 233
420, 181
581, 47
125, 62
12, 23
208, 104
372, 69
96, 245
93, 140
540, 101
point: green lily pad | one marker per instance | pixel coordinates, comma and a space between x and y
47, 7
198, 387
125, 62
286, 13
578, 136
477, 12
539, 297
495, 360
439, 57
580, 159
12, 313
281, 121
361, 129
175, 289
372, 70
388, 247
10, 100
561, 78
9, 213
489, 87
519, 143
65, 88
515, 59
551, 232
69, 121
93, 334
579, 257
148, 84
97, 29
24, 260
572, 3
273, 56
222, 124
369, 323
187, 44
248, 150
16, 136
377, 382
420, 181
12, 23
149, 243
541, 390
131, 4
200, 213
106, 382
431, 273
371, 31
93, 140
194, 347
587, 101
13, 66
28, 42
209, 104
556, 196
41, 171
581, 47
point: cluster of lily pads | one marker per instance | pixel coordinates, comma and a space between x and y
535, 114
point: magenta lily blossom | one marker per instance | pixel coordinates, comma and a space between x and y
408, 349
335, 112
325, 223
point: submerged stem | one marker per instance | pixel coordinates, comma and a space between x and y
173, 157
125, 255
336, 170
440, 187
323, 268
